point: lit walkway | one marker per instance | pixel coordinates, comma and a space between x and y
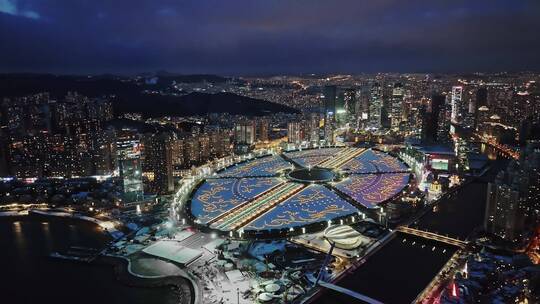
246, 213
341, 158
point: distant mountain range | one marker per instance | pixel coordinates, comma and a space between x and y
129, 95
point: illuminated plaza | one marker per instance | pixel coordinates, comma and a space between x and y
297, 192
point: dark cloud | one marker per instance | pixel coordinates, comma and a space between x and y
12, 7
257, 36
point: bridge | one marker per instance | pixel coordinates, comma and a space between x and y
433, 236
504, 149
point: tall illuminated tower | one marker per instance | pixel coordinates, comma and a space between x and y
129, 165
396, 106
456, 104
375, 107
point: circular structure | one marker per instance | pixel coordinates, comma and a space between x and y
297, 192
272, 288
345, 237
265, 297
311, 175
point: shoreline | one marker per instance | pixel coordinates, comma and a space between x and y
183, 286
121, 266
111, 231
13, 213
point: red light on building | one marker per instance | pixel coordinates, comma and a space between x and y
454, 290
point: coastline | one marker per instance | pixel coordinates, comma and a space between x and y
122, 270
113, 232
184, 287
13, 213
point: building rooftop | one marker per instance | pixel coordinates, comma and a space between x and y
173, 251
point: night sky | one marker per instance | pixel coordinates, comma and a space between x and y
268, 37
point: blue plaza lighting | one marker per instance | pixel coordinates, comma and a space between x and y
314, 204
217, 196
374, 162
260, 167
271, 194
313, 152
312, 157
373, 189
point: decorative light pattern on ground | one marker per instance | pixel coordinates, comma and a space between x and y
264, 166
217, 196
373, 189
315, 203
374, 162
313, 152
310, 161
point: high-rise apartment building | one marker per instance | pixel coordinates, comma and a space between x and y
244, 133
158, 161
294, 132
263, 129
513, 199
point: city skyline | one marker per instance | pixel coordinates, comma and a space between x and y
261, 38
326, 179
270, 152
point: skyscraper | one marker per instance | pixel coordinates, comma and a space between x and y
314, 127
345, 104
192, 155
244, 133
350, 98
263, 129
294, 132
330, 94
480, 107
329, 128
396, 106
158, 162
375, 107
430, 119
456, 104
128, 149
505, 212
244, 136
362, 105
104, 154
177, 154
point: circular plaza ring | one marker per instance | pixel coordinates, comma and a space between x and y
311, 175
